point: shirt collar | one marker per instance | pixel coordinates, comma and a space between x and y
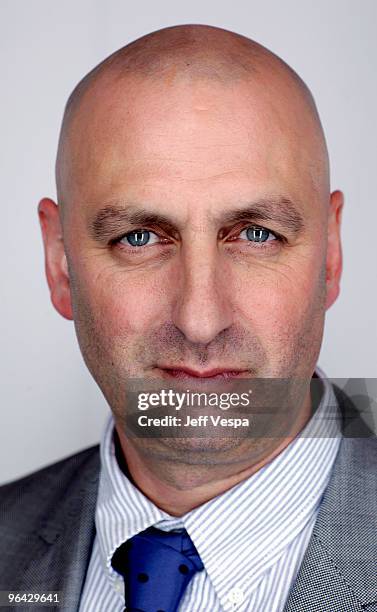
260, 516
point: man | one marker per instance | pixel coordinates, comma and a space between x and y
196, 243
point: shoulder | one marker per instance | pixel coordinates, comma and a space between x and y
47, 486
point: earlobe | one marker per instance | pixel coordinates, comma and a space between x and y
55, 258
62, 302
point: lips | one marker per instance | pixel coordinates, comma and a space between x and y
212, 374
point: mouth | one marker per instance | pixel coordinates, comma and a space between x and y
184, 373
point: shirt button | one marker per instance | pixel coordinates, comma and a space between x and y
236, 596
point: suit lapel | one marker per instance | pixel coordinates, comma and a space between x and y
319, 586
338, 572
64, 541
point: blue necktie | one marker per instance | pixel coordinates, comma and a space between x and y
157, 567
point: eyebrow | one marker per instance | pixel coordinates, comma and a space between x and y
110, 221
280, 211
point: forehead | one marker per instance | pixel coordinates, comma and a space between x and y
198, 140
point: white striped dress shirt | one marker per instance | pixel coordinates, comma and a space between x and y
251, 539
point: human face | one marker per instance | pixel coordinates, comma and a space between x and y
193, 167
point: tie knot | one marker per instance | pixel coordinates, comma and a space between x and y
157, 567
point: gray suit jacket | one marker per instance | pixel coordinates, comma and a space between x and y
47, 529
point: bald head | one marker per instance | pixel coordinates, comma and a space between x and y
191, 54
190, 51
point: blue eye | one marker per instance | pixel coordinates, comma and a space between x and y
139, 238
257, 234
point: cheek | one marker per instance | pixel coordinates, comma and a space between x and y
281, 299
113, 313
122, 303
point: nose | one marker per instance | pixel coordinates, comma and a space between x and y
203, 308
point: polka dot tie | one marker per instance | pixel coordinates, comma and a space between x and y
157, 567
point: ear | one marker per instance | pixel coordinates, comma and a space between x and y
55, 258
334, 248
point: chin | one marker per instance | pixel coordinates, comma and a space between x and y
196, 450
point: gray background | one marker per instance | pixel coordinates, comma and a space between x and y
50, 406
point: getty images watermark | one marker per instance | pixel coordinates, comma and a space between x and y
258, 408
190, 399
